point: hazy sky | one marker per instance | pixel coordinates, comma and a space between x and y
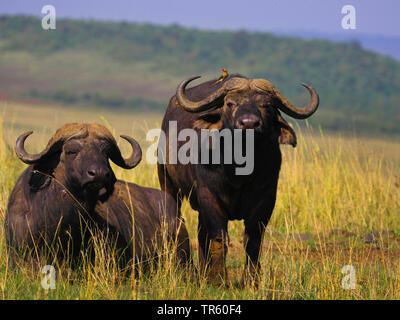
380, 17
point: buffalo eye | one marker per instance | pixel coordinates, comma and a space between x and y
71, 152
105, 147
265, 104
72, 148
230, 104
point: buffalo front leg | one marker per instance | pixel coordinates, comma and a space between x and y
213, 247
252, 241
212, 254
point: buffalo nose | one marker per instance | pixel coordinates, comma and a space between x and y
248, 121
98, 173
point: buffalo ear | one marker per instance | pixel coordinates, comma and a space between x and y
286, 133
40, 173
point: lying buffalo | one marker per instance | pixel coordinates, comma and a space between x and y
215, 190
52, 206
155, 220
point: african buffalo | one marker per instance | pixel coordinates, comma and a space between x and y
155, 220
215, 190
52, 206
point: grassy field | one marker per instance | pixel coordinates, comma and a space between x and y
338, 204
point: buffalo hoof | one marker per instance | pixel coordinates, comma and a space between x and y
250, 277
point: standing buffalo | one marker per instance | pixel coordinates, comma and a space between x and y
52, 206
215, 190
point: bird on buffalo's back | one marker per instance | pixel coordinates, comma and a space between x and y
223, 76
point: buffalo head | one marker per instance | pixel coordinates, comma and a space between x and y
77, 157
242, 103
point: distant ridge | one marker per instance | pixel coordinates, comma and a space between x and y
138, 66
385, 45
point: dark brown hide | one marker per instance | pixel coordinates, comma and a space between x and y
51, 210
213, 189
153, 215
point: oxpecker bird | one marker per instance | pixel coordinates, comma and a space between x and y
223, 76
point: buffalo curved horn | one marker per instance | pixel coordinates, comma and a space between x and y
197, 106
299, 113
130, 162
26, 157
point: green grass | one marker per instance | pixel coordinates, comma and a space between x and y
336, 188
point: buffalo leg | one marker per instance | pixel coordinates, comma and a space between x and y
212, 255
253, 238
212, 235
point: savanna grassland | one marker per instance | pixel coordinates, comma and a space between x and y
338, 204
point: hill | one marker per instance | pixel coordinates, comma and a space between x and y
127, 65
385, 45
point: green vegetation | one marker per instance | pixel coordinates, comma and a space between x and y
138, 66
